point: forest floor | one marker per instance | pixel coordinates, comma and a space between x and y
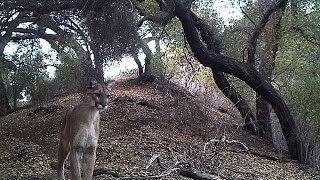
144, 121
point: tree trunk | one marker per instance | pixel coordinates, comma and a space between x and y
245, 72
4, 102
5, 39
213, 44
157, 64
99, 70
98, 62
138, 62
15, 96
267, 64
264, 121
88, 72
231, 93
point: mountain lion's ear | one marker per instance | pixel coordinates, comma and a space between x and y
110, 85
92, 83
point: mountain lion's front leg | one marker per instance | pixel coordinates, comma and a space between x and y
89, 157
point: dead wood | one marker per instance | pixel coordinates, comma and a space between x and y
183, 167
223, 140
152, 159
194, 174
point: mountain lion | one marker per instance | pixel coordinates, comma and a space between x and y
80, 132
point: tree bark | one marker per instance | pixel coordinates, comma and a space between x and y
5, 107
213, 44
231, 93
266, 67
264, 121
157, 68
4, 102
98, 63
245, 72
138, 62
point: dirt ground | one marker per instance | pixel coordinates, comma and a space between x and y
144, 120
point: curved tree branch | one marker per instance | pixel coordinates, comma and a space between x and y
213, 44
240, 103
245, 72
163, 17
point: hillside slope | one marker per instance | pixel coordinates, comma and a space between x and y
143, 120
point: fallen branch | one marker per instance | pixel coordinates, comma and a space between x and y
223, 140
184, 168
195, 174
152, 159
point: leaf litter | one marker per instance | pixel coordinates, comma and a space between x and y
142, 120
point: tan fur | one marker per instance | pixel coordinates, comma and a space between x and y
80, 132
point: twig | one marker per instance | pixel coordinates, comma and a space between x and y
223, 140
183, 167
242, 10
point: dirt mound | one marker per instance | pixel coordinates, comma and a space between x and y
143, 121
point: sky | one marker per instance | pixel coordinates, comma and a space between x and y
222, 7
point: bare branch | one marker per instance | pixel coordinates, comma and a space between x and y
243, 71
223, 140
252, 43
10, 29
245, 14
195, 174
